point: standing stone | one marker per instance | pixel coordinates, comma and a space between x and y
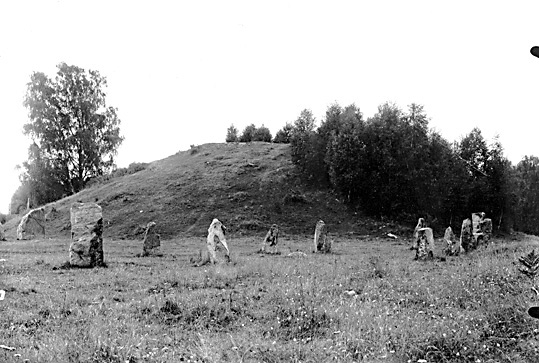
271, 239
152, 240
32, 224
2, 234
477, 232
466, 235
453, 247
420, 224
321, 242
476, 221
216, 229
486, 229
425, 244
86, 248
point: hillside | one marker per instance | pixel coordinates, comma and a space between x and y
248, 186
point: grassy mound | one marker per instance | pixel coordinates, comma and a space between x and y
248, 186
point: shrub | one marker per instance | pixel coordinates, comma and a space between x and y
248, 133
232, 134
262, 134
283, 135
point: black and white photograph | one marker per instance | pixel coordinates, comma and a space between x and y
269, 181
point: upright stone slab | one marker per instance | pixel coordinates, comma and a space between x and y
425, 244
453, 247
32, 225
86, 248
152, 240
478, 238
321, 242
2, 234
477, 218
420, 224
486, 229
466, 235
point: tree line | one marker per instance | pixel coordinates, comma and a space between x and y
389, 165
393, 165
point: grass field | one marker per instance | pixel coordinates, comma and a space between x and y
367, 302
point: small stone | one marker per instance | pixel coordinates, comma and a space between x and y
271, 239
152, 240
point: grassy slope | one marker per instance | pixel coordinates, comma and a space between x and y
260, 308
267, 308
247, 186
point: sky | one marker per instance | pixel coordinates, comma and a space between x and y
181, 72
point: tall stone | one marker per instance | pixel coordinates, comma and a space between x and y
482, 229
2, 234
420, 224
86, 249
466, 235
32, 225
453, 247
486, 229
321, 241
425, 244
477, 218
152, 240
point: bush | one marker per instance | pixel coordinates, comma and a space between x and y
283, 135
262, 134
232, 134
248, 133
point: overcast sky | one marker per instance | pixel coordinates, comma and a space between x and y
180, 72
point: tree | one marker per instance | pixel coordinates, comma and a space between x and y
262, 134
301, 131
344, 156
283, 135
527, 195
248, 133
75, 132
42, 180
232, 134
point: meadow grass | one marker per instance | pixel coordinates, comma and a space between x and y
366, 302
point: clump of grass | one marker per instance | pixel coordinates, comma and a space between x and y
378, 268
212, 313
303, 322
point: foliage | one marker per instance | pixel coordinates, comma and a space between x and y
42, 181
283, 135
526, 194
345, 149
262, 134
488, 178
308, 148
393, 165
19, 199
232, 134
252, 133
248, 133
76, 135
